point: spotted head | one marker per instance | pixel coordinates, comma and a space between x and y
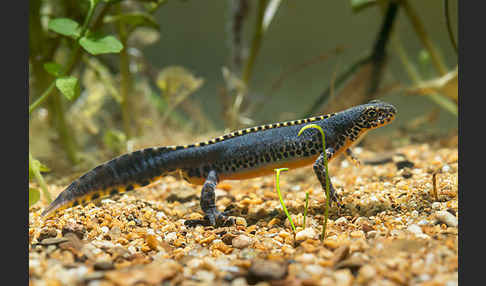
375, 114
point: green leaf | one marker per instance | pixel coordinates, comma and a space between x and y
135, 20
65, 26
115, 140
34, 196
37, 165
53, 68
358, 5
69, 86
97, 45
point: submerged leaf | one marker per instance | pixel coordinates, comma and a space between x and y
34, 196
177, 83
53, 68
270, 11
446, 85
68, 86
38, 165
358, 5
65, 26
97, 45
115, 140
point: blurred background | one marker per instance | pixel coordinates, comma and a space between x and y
108, 77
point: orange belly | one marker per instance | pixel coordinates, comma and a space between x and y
258, 172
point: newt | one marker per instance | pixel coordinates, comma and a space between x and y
242, 154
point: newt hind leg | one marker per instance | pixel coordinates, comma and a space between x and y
212, 217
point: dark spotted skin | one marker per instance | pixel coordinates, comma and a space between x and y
242, 154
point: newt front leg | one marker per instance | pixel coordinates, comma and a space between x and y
320, 171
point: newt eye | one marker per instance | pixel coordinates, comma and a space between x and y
372, 113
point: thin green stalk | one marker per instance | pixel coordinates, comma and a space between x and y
43, 97
448, 24
62, 128
328, 197
39, 178
416, 78
73, 59
281, 199
256, 42
126, 79
306, 206
424, 38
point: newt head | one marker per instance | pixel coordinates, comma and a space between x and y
376, 113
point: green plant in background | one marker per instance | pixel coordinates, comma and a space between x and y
73, 33
238, 79
442, 90
326, 210
35, 169
277, 175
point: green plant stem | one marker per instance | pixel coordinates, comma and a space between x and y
448, 24
328, 197
73, 59
416, 78
126, 79
39, 178
281, 199
306, 206
64, 132
424, 38
256, 42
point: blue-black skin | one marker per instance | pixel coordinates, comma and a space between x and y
247, 153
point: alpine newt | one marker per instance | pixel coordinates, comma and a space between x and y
243, 154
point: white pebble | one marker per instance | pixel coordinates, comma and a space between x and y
241, 241
171, 237
306, 258
341, 221
150, 231
436, 206
415, 229
344, 164
423, 222
446, 168
160, 215
447, 218
307, 233
104, 229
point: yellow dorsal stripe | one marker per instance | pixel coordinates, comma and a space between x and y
252, 130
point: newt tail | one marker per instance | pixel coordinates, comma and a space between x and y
242, 154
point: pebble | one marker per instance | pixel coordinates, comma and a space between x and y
308, 233
423, 222
436, 206
371, 234
446, 168
103, 265
47, 233
415, 229
266, 270
446, 217
366, 273
78, 229
241, 241
170, 237
341, 221
53, 241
